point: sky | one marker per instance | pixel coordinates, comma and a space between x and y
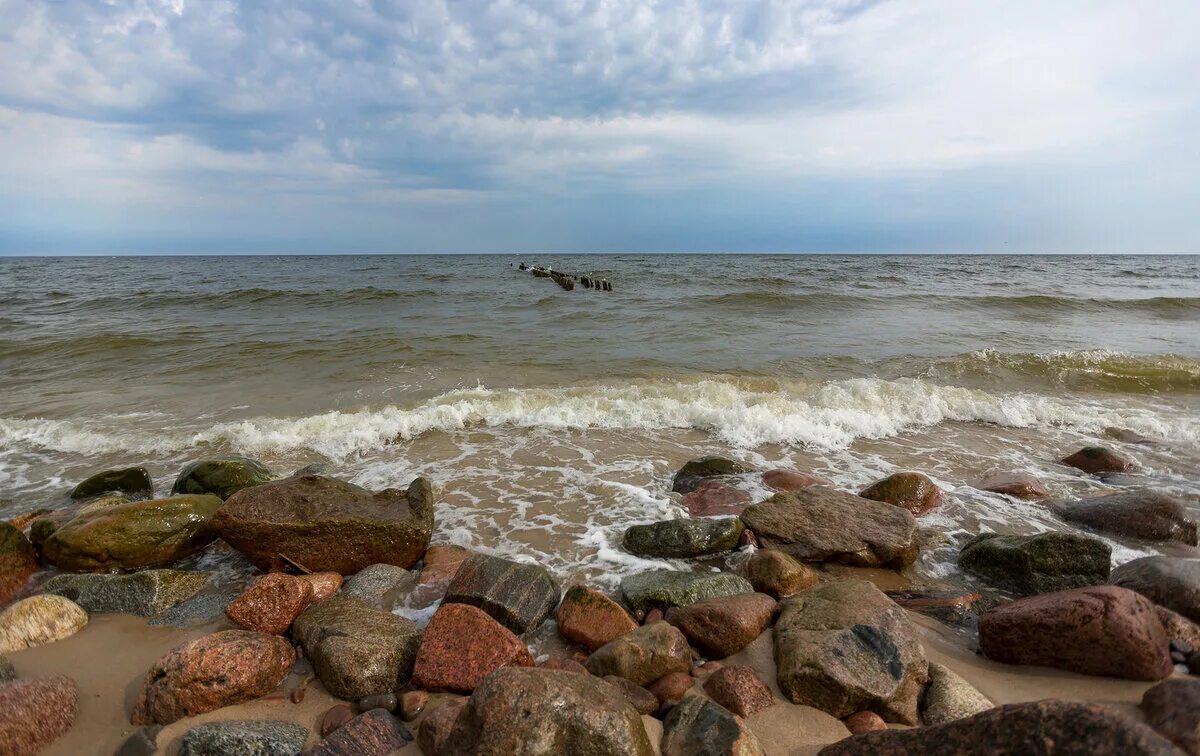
341, 126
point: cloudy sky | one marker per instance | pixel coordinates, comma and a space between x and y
599, 125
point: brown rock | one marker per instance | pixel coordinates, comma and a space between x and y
1173, 708
865, 721
271, 604
739, 689
791, 480
911, 490
671, 688
373, 733
724, 625
17, 561
641, 699
412, 703
566, 665
1020, 485
778, 574
462, 645
1180, 630
715, 498
334, 718
436, 727
1138, 513
441, 562
1099, 459
589, 617
654, 615
34, 713
324, 584
643, 655
221, 669
1100, 630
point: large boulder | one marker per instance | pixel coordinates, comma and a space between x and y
1040, 728
38, 620
1173, 709
845, 647
356, 649
272, 603
778, 574
133, 535
1019, 485
913, 491
539, 712
722, 626
258, 737
683, 538
1038, 563
34, 713
1098, 460
823, 525
221, 476
949, 697
517, 595
18, 561
697, 471
590, 618
643, 655
715, 497
1168, 581
221, 669
698, 726
133, 482
146, 594
1103, 630
1139, 513
327, 524
461, 646
663, 589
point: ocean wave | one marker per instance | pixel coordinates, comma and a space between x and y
1013, 305
1086, 369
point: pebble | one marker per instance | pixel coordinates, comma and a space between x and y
335, 718
380, 701
865, 721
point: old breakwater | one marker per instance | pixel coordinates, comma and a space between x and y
567, 280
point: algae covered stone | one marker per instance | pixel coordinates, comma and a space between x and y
221, 476
146, 593
691, 475
133, 482
1038, 563
663, 589
684, 537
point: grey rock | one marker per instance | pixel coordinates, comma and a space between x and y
1167, 581
244, 738
949, 697
698, 726
663, 589
683, 538
145, 594
1139, 513
518, 596
383, 585
200, 610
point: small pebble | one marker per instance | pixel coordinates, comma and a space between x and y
335, 718
298, 695
865, 721
381, 701
412, 703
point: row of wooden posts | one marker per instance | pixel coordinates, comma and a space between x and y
567, 280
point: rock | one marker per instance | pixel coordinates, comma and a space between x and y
356, 649
271, 604
1101, 630
947, 606
820, 524
1099, 459
43, 526
654, 615
536, 712
778, 574
641, 699
683, 538
643, 655
791, 480
566, 665
440, 564
722, 626
1040, 728
518, 596
949, 697
911, 490
146, 594
700, 727
1180, 630
133, 535
335, 717
326, 524
865, 721
324, 584
462, 645
1139, 513
1020, 485
39, 620
590, 618
385, 701
221, 476
715, 498
224, 668
1173, 709
1038, 563
199, 610
412, 703
34, 713
436, 727
18, 561
1167, 581
133, 482
671, 688
691, 475
382, 585
739, 689
261, 737
372, 733
845, 647
664, 589
1127, 436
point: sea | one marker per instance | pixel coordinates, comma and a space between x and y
551, 420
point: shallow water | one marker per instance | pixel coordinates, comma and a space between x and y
551, 420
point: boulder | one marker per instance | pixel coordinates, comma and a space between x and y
1038, 563
462, 645
641, 699
1020, 485
440, 564
1099, 459
356, 649
146, 594
663, 589
683, 538
845, 647
700, 727
373, 733
1168, 581
722, 626
133, 535
643, 655
437, 725
739, 689
271, 604
1040, 728
327, 524
820, 524
221, 476
18, 561
948, 697
697, 471
382, 585
537, 712
1101, 630
133, 482
715, 497
258, 737
224, 668
590, 618
34, 713
1173, 709
518, 596
38, 620
911, 490
1138, 513
791, 480
324, 584
778, 574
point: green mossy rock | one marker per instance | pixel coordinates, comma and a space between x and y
133, 482
221, 476
146, 594
695, 472
663, 589
1038, 563
683, 538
